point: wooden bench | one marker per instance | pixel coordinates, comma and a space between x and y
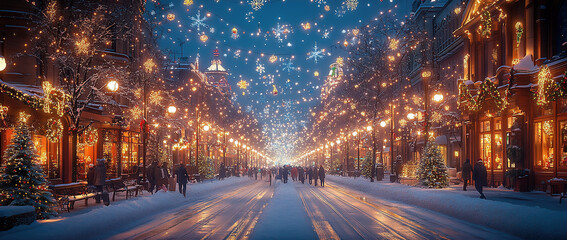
119, 185
67, 194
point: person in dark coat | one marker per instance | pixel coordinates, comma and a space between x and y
165, 175
90, 175
285, 174
151, 175
222, 171
322, 175
467, 168
310, 174
301, 175
182, 179
315, 175
99, 177
479, 177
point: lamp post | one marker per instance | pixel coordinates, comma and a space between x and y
355, 134
149, 67
392, 122
426, 75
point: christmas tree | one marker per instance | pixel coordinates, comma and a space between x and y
206, 167
367, 165
431, 170
23, 182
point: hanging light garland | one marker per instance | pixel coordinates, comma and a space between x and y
487, 91
54, 98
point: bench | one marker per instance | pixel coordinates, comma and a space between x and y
67, 194
119, 185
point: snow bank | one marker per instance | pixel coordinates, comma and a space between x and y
284, 217
6, 211
523, 221
102, 218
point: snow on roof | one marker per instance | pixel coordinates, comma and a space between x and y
31, 90
216, 67
526, 64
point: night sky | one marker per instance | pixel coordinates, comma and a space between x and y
283, 115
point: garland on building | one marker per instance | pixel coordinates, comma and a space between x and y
22, 182
91, 136
54, 130
33, 101
563, 84
547, 90
488, 98
486, 27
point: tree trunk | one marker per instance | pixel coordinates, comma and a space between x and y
74, 162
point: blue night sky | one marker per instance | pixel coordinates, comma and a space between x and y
285, 114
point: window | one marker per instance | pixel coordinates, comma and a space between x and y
563, 147
544, 159
486, 144
48, 156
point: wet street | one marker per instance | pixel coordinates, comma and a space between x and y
254, 210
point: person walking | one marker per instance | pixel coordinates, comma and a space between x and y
99, 177
301, 175
322, 175
467, 168
315, 175
151, 175
165, 174
90, 176
310, 174
285, 173
182, 178
479, 177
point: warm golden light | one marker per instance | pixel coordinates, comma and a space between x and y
2, 63
438, 97
112, 86
382, 124
171, 109
411, 116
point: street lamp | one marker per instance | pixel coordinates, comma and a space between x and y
171, 109
2, 59
411, 116
438, 97
355, 133
206, 128
111, 85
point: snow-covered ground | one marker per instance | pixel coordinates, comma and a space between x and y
521, 220
99, 220
284, 217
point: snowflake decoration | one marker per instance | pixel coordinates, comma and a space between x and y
248, 108
340, 12
288, 66
321, 2
256, 4
237, 54
260, 68
198, 21
249, 16
242, 84
351, 4
315, 54
326, 34
280, 32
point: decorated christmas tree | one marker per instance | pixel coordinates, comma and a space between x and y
367, 165
206, 167
431, 171
23, 182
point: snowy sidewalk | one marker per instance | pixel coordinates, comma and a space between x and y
522, 220
284, 217
91, 223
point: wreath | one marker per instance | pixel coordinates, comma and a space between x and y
54, 130
91, 136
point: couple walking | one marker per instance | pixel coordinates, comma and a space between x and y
314, 174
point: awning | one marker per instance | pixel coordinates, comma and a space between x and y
441, 140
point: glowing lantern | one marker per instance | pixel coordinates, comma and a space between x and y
345, 43
355, 31
234, 30
307, 26
204, 38
170, 16
273, 58
275, 91
316, 74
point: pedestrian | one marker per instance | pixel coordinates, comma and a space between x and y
255, 173
90, 175
151, 175
310, 174
322, 175
466, 175
479, 177
301, 175
285, 173
315, 175
182, 178
99, 177
222, 172
165, 174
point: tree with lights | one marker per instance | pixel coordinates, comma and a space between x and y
77, 36
23, 182
431, 171
367, 165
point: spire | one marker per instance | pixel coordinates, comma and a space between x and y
197, 62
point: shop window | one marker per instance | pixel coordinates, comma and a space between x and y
562, 108
543, 148
130, 147
563, 148
49, 156
443, 150
86, 154
110, 152
498, 151
544, 111
486, 144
